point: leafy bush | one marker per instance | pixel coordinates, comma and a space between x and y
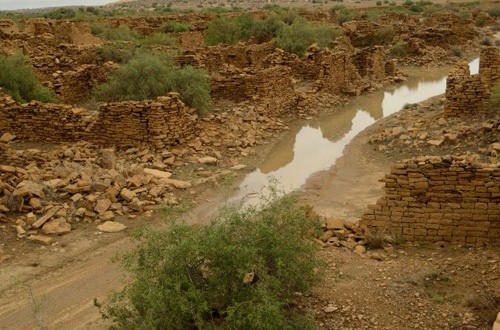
147, 76
229, 31
18, 80
301, 34
238, 272
173, 26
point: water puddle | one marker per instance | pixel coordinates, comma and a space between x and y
317, 145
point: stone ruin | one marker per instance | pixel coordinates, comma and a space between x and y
451, 199
469, 94
163, 122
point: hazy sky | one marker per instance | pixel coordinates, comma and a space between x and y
28, 4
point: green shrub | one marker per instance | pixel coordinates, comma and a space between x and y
121, 33
379, 3
172, 26
60, 13
118, 52
147, 76
301, 34
383, 35
494, 12
399, 49
18, 80
241, 271
156, 39
229, 31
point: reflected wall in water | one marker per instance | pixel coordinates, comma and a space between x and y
317, 145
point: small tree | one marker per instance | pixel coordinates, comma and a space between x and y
238, 272
18, 80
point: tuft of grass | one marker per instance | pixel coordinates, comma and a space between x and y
19, 81
148, 75
375, 240
399, 49
241, 271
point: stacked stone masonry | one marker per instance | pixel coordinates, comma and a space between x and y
469, 94
452, 199
159, 123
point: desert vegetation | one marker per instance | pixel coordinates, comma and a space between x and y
149, 75
18, 79
242, 270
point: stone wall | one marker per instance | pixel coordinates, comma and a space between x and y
440, 199
489, 65
162, 122
8, 27
469, 95
158, 123
273, 87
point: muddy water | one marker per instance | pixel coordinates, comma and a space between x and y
316, 145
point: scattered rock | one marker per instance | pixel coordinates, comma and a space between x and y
157, 173
334, 224
102, 206
208, 160
7, 137
127, 194
46, 240
46, 217
111, 227
56, 226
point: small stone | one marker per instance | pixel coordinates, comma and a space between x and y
127, 195
359, 249
330, 309
35, 203
28, 188
435, 143
46, 217
208, 160
30, 218
176, 183
108, 215
111, 227
334, 224
102, 205
46, 240
157, 173
56, 226
7, 137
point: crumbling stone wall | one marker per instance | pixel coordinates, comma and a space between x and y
8, 27
158, 123
489, 65
76, 85
36, 121
469, 95
451, 199
370, 61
